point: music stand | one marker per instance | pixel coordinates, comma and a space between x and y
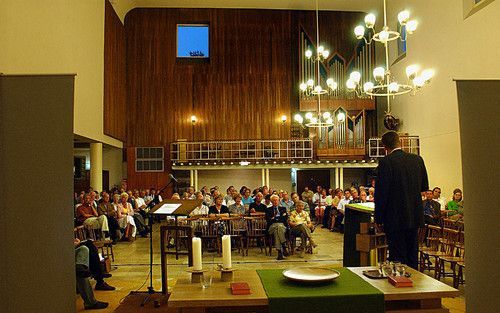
184, 209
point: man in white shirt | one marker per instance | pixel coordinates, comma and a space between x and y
140, 204
316, 200
436, 193
201, 209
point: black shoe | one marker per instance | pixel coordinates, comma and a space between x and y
97, 306
104, 286
280, 256
106, 275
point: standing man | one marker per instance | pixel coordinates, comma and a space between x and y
398, 202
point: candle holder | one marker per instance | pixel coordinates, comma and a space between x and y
226, 274
196, 275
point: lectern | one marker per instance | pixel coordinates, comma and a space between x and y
172, 207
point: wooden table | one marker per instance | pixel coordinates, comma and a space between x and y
191, 297
424, 297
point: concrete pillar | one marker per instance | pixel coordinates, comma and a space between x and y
341, 177
337, 182
267, 177
191, 177
195, 180
332, 177
96, 166
263, 175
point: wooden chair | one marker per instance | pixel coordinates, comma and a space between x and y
101, 243
80, 233
209, 232
448, 254
237, 228
434, 234
448, 223
256, 230
179, 232
459, 278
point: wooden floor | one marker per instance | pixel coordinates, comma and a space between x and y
131, 268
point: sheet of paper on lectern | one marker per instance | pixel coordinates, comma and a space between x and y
167, 208
371, 205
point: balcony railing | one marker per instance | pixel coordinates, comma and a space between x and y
241, 150
410, 144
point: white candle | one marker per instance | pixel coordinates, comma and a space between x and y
197, 264
226, 252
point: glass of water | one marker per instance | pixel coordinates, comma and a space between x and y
400, 269
206, 280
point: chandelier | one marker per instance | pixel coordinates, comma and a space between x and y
315, 87
385, 84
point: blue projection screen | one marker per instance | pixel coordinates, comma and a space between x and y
192, 41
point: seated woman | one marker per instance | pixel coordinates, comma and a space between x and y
320, 207
237, 207
124, 217
126, 208
218, 207
301, 225
455, 208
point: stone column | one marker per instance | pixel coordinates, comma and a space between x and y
341, 177
263, 175
96, 166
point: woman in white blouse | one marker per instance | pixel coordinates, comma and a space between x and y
125, 212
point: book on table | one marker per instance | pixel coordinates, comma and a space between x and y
240, 288
400, 281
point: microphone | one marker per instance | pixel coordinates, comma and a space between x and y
173, 178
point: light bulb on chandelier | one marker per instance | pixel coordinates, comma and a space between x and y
385, 83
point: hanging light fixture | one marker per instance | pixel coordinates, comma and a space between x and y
385, 83
315, 87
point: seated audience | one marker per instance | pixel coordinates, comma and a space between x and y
436, 194
355, 196
320, 206
258, 206
295, 199
126, 208
87, 215
371, 195
301, 225
237, 207
455, 208
82, 264
338, 195
363, 197
87, 250
277, 221
267, 200
247, 198
432, 209
125, 217
107, 208
218, 207
285, 201
202, 209
140, 204
230, 194
339, 220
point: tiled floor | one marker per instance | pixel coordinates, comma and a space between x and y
131, 266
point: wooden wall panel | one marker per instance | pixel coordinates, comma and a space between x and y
137, 180
114, 75
249, 82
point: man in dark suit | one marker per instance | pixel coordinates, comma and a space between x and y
401, 179
277, 222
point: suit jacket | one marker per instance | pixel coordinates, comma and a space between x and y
271, 218
401, 178
223, 209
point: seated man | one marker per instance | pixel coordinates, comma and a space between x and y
295, 199
82, 278
258, 206
201, 209
237, 207
87, 215
277, 221
108, 209
301, 225
285, 201
432, 209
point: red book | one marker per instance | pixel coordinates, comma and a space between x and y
240, 288
400, 281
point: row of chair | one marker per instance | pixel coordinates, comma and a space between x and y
244, 231
443, 245
87, 233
